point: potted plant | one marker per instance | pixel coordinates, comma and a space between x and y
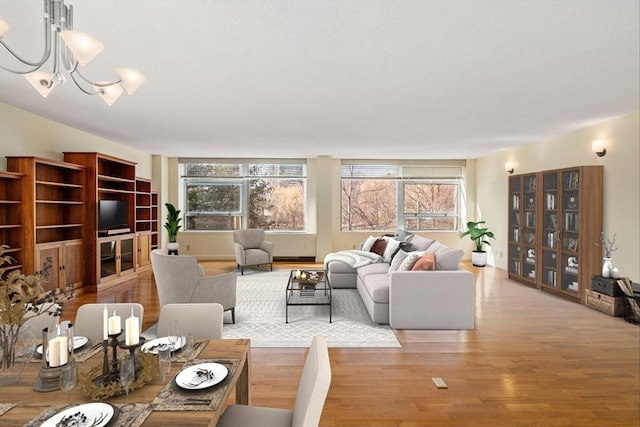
479, 233
172, 226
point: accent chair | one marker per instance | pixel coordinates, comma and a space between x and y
252, 249
180, 279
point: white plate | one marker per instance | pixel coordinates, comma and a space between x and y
78, 342
188, 377
93, 412
153, 345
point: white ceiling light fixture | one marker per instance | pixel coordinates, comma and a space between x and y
77, 49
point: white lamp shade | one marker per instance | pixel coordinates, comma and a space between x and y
109, 94
508, 166
41, 81
83, 46
4, 27
131, 79
598, 145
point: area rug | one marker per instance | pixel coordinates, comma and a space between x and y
260, 316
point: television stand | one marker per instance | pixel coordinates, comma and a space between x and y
114, 231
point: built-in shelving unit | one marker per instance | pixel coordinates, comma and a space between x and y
11, 228
53, 218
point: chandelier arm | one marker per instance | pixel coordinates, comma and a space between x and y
75, 82
36, 65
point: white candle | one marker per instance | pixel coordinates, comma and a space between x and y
297, 274
132, 330
54, 352
105, 323
115, 327
64, 349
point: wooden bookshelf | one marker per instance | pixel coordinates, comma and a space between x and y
108, 178
11, 227
556, 215
53, 218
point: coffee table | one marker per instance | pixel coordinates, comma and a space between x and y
310, 288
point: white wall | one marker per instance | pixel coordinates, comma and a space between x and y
621, 183
25, 134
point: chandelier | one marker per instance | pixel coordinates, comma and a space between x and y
70, 50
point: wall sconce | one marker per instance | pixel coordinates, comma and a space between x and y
598, 147
508, 166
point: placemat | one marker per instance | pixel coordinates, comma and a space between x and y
129, 414
4, 407
173, 398
198, 346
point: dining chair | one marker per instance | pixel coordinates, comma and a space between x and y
202, 320
89, 317
251, 248
44, 320
180, 279
307, 409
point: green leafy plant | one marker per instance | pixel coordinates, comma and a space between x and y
478, 233
173, 222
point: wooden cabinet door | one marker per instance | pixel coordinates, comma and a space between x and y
48, 260
73, 269
144, 250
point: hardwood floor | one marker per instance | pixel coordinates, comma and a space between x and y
533, 360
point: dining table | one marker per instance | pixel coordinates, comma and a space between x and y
148, 405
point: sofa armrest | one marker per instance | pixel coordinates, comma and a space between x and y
432, 300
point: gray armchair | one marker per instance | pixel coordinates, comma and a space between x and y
180, 279
252, 249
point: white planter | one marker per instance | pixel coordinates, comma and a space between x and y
172, 248
479, 259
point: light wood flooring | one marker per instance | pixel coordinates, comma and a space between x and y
533, 359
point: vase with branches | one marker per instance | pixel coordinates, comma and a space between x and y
21, 298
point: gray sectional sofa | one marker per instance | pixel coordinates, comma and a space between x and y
400, 296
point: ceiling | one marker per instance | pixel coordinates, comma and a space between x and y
349, 79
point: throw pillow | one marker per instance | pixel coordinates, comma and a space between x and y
378, 246
404, 235
392, 247
425, 263
410, 260
397, 260
446, 257
403, 246
366, 246
421, 243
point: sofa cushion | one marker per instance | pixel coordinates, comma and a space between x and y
375, 268
366, 246
397, 260
446, 258
377, 287
421, 243
410, 260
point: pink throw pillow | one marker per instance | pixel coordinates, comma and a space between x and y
425, 263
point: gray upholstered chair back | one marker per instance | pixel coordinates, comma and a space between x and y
307, 410
314, 385
202, 320
250, 238
89, 317
180, 279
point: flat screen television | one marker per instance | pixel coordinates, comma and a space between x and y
112, 215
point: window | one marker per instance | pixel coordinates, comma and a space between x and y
386, 197
231, 196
